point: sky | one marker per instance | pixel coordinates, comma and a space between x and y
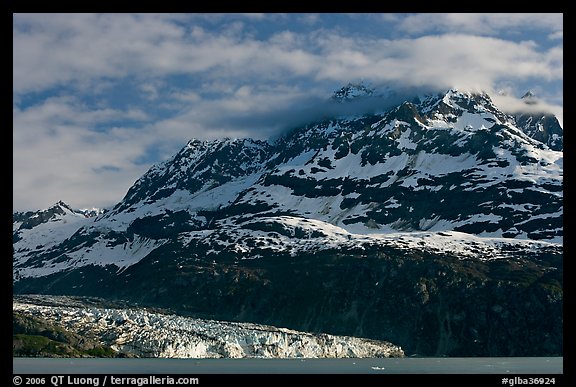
99, 98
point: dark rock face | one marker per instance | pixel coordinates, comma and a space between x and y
198, 165
542, 127
430, 304
281, 233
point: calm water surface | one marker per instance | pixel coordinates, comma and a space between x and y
409, 365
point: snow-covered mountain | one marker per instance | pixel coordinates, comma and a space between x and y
353, 91
541, 126
446, 176
450, 162
46, 228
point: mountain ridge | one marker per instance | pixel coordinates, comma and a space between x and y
437, 184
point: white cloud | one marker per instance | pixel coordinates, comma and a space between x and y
240, 84
64, 49
558, 35
61, 48
481, 23
511, 104
56, 154
450, 60
310, 18
243, 111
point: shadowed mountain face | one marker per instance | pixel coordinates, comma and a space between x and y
436, 225
542, 127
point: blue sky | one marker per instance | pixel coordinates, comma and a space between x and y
99, 98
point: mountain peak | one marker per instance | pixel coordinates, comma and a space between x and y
352, 91
91, 212
62, 208
529, 98
529, 94
467, 94
61, 205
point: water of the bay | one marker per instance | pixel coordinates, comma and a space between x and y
408, 365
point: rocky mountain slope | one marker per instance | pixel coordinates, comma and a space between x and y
436, 224
37, 337
540, 126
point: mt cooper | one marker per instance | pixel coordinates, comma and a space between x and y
435, 224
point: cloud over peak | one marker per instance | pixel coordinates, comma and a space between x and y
132, 88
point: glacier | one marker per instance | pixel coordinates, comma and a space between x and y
143, 333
